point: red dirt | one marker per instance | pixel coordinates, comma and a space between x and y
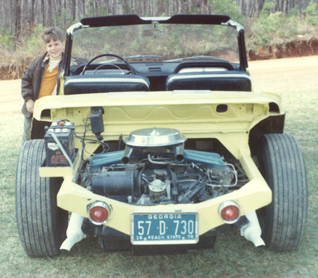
299, 48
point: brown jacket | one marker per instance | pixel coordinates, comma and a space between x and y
32, 80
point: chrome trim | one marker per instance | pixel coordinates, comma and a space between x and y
233, 24
74, 27
98, 204
188, 76
155, 19
106, 79
201, 70
226, 204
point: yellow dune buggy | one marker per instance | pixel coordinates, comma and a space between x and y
157, 144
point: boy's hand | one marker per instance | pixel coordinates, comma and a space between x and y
30, 105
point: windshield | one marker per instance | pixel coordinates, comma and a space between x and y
153, 42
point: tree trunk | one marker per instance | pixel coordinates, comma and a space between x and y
73, 9
17, 18
31, 9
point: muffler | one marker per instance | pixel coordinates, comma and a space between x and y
74, 232
252, 230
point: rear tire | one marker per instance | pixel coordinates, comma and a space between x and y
283, 168
41, 224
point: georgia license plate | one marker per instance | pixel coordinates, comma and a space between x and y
179, 227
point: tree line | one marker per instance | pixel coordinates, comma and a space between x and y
16, 15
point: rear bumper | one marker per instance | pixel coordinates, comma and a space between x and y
252, 196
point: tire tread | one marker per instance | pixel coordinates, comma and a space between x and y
35, 204
284, 171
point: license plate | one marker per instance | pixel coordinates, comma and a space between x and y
173, 227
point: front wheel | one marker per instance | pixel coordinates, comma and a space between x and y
282, 165
41, 224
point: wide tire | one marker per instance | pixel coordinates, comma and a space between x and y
41, 224
283, 168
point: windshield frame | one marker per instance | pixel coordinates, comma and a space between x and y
133, 19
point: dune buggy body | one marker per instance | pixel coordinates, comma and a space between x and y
156, 143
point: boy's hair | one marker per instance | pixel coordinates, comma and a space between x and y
52, 33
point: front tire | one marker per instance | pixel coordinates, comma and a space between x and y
283, 168
41, 224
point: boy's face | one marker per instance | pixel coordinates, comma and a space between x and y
55, 48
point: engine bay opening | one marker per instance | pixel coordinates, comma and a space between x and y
159, 166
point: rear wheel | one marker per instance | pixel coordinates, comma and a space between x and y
283, 168
41, 224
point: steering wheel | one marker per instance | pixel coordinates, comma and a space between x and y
110, 64
130, 69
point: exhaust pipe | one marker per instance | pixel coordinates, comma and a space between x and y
252, 230
178, 152
128, 151
74, 232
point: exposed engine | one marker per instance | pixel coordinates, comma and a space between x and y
155, 168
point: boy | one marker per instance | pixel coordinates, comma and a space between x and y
41, 79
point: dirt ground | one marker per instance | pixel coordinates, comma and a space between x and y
287, 74
268, 75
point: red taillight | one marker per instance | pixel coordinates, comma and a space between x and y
98, 213
229, 212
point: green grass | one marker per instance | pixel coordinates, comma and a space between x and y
232, 256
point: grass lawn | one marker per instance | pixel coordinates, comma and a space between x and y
233, 256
